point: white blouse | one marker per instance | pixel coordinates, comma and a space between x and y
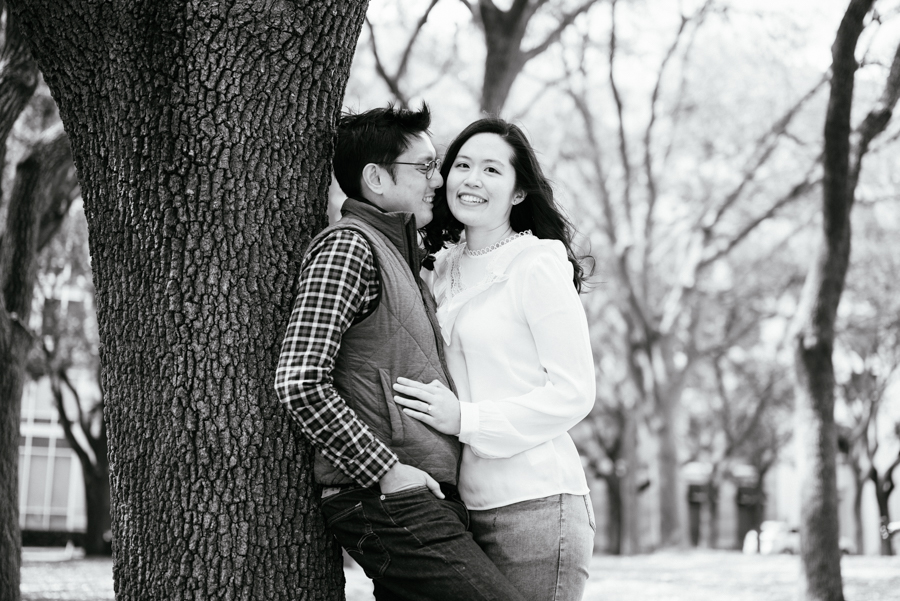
519, 352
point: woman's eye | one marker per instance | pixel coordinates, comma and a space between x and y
492, 170
461, 165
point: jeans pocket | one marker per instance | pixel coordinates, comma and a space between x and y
590, 511
340, 514
353, 530
406, 492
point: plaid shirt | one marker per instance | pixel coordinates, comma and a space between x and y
338, 286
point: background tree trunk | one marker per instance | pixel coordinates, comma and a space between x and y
628, 494
815, 319
203, 135
18, 80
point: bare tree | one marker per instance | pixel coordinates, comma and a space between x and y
203, 134
67, 344
734, 426
813, 341
863, 394
665, 314
504, 34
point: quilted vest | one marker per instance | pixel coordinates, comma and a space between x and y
401, 337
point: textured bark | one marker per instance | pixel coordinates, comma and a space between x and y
203, 134
814, 339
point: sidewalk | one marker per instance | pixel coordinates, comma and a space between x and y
55, 575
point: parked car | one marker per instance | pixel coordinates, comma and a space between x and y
777, 537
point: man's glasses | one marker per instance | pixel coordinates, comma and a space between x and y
426, 168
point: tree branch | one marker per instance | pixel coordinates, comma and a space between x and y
652, 192
566, 20
795, 193
623, 141
391, 81
404, 61
19, 77
877, 119
765, 146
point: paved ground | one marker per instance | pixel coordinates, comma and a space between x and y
55, 575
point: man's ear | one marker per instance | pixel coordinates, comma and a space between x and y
373, 178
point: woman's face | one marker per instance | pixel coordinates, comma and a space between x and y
481, 183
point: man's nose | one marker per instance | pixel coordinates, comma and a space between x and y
436, 180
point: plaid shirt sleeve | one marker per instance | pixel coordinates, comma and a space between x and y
338, 283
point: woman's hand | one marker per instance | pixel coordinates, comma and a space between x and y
436, 406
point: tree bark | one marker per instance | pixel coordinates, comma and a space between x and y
203, 135
814, 338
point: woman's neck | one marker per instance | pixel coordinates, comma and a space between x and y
477, 238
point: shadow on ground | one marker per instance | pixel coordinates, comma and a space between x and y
54, 575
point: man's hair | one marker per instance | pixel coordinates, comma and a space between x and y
376, 136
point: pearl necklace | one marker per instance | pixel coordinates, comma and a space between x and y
483, 251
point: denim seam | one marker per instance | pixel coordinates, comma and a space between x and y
370, 533
559, 556
462, 575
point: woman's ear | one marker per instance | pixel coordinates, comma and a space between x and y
518, 197
373, 178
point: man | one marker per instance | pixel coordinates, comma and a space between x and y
362, 318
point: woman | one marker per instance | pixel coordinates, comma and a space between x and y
519, 353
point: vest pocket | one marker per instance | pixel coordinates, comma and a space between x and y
397, 434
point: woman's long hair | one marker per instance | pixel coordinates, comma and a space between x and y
537, 212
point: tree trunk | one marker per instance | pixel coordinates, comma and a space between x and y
18, 80
814, 338
614, 514
712, 500
503, 33
96, 490
670, 501
628, 489
18, 270
203, 134
859, 482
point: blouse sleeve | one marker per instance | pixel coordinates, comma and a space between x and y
554, 314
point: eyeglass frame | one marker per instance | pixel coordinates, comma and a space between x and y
435, 165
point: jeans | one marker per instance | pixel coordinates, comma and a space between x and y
415, 546
543, 546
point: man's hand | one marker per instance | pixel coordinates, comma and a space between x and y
402, 477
